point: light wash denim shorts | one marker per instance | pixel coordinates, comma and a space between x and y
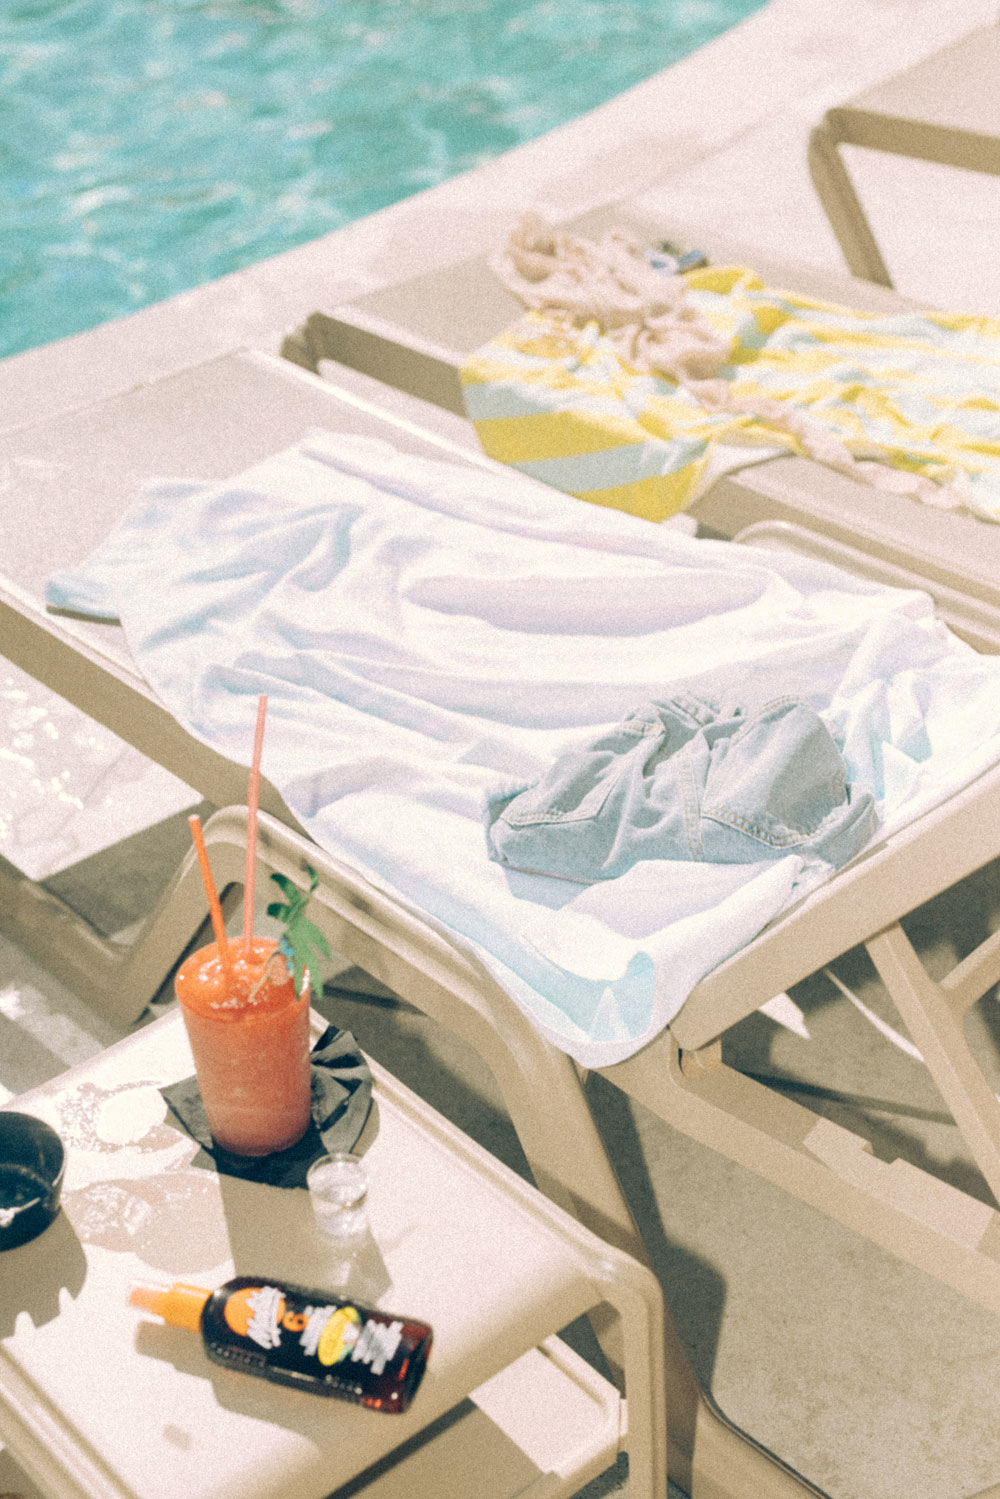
684, 779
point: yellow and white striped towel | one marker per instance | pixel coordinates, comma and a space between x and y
908, 402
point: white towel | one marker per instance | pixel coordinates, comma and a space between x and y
428, 633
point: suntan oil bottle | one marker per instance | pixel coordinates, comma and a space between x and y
297, 1337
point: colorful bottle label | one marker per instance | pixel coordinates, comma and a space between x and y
299, 1337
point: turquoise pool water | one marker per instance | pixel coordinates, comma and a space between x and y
147, 146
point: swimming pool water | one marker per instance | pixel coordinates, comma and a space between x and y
147, 146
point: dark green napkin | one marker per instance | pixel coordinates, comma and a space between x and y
341, 1102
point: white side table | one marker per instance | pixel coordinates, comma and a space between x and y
98, 1401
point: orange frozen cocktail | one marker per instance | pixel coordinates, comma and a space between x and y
249, 1034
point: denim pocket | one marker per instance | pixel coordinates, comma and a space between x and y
574, 796
554, 827
579, 784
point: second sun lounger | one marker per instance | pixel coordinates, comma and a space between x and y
416, 335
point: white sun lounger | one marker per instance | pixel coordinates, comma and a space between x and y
416, 335
77, 474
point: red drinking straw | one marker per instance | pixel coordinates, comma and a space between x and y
253, 798
215, 909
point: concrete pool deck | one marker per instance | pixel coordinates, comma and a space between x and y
876, 1383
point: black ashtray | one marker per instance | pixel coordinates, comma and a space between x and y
32, 1162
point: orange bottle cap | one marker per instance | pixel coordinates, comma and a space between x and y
180, 1305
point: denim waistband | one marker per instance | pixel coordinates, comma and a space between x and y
687, 779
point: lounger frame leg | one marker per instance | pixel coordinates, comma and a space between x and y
907, 1212
119, 978
842, 204
932, 1013
53, 934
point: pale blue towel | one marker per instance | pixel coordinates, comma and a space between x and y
433, 635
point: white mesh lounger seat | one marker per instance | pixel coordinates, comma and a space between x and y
416, 335
214, 420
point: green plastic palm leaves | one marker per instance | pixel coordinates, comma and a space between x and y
302, 940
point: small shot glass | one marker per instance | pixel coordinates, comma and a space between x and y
338, 1187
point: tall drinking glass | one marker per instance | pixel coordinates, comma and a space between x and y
249, 1034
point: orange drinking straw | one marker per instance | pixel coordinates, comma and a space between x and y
215, 909
253, 798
